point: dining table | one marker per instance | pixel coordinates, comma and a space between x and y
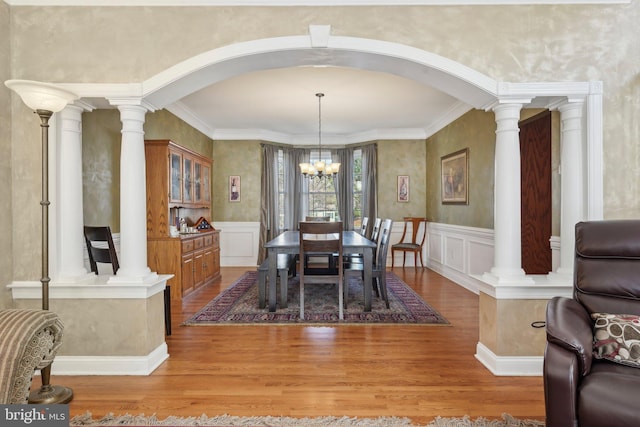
288, 242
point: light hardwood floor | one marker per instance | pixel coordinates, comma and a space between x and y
365, 371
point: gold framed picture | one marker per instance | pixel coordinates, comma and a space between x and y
454, 169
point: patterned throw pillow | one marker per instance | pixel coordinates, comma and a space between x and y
616, 337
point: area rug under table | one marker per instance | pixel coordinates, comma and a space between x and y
238, 305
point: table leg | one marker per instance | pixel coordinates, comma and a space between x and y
368, 267
273, 273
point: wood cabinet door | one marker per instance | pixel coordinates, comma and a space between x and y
175, 176
187, 274
198, 273
208, 264
215, 269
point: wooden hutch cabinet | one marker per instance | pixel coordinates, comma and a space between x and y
179, 185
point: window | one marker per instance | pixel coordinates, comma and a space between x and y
357, 189
320, 195
322, 192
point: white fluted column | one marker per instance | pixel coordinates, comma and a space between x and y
507, 263
572, 204
133, 225
70, 238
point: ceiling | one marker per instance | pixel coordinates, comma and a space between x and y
280, 105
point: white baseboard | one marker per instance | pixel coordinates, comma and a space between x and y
509, 365
110, 365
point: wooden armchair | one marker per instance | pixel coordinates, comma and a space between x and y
418, 236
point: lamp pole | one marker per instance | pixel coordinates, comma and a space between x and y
45, 99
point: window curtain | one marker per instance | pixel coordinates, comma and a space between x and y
295, 191
369, 181
344, 187
268, 199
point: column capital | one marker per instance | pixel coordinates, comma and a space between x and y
132, 102
568, 103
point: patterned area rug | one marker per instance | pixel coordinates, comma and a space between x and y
238, 304
227, 420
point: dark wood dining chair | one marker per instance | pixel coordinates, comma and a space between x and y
379, 271
330, 259
375, 232
322, 238
375, 235
414, 244
363, 226
100, 247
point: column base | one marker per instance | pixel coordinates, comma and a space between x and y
497, 277
123, 277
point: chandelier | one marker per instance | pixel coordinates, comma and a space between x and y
319, 169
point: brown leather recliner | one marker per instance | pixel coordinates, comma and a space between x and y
580, 389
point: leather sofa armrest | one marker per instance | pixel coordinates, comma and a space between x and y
570, 327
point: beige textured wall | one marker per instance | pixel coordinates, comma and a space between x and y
242, 158
401, 158
6, 260
505, 326
135, 327
526, 44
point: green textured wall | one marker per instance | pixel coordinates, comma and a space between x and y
101, 140
402, 158
242, 158
164, 125
475, 131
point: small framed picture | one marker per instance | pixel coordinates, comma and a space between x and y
454, 168
403, 188
234, 188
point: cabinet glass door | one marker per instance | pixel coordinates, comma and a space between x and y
206, 188
187, 188
197, 181
175, 185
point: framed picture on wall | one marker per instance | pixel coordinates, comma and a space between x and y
403, 188
234, 188
454, 169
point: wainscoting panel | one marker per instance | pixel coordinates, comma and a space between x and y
239, 242
459, 252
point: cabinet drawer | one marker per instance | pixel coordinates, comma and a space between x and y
216, 240
198, 242
187, 245
208, 240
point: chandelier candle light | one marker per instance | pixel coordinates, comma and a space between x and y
45, 99
319, 169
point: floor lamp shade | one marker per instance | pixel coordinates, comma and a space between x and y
41, 96
45, 99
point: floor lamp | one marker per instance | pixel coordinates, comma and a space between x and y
45, 99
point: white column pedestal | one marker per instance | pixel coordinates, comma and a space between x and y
507, 268
133, 199
69, 216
